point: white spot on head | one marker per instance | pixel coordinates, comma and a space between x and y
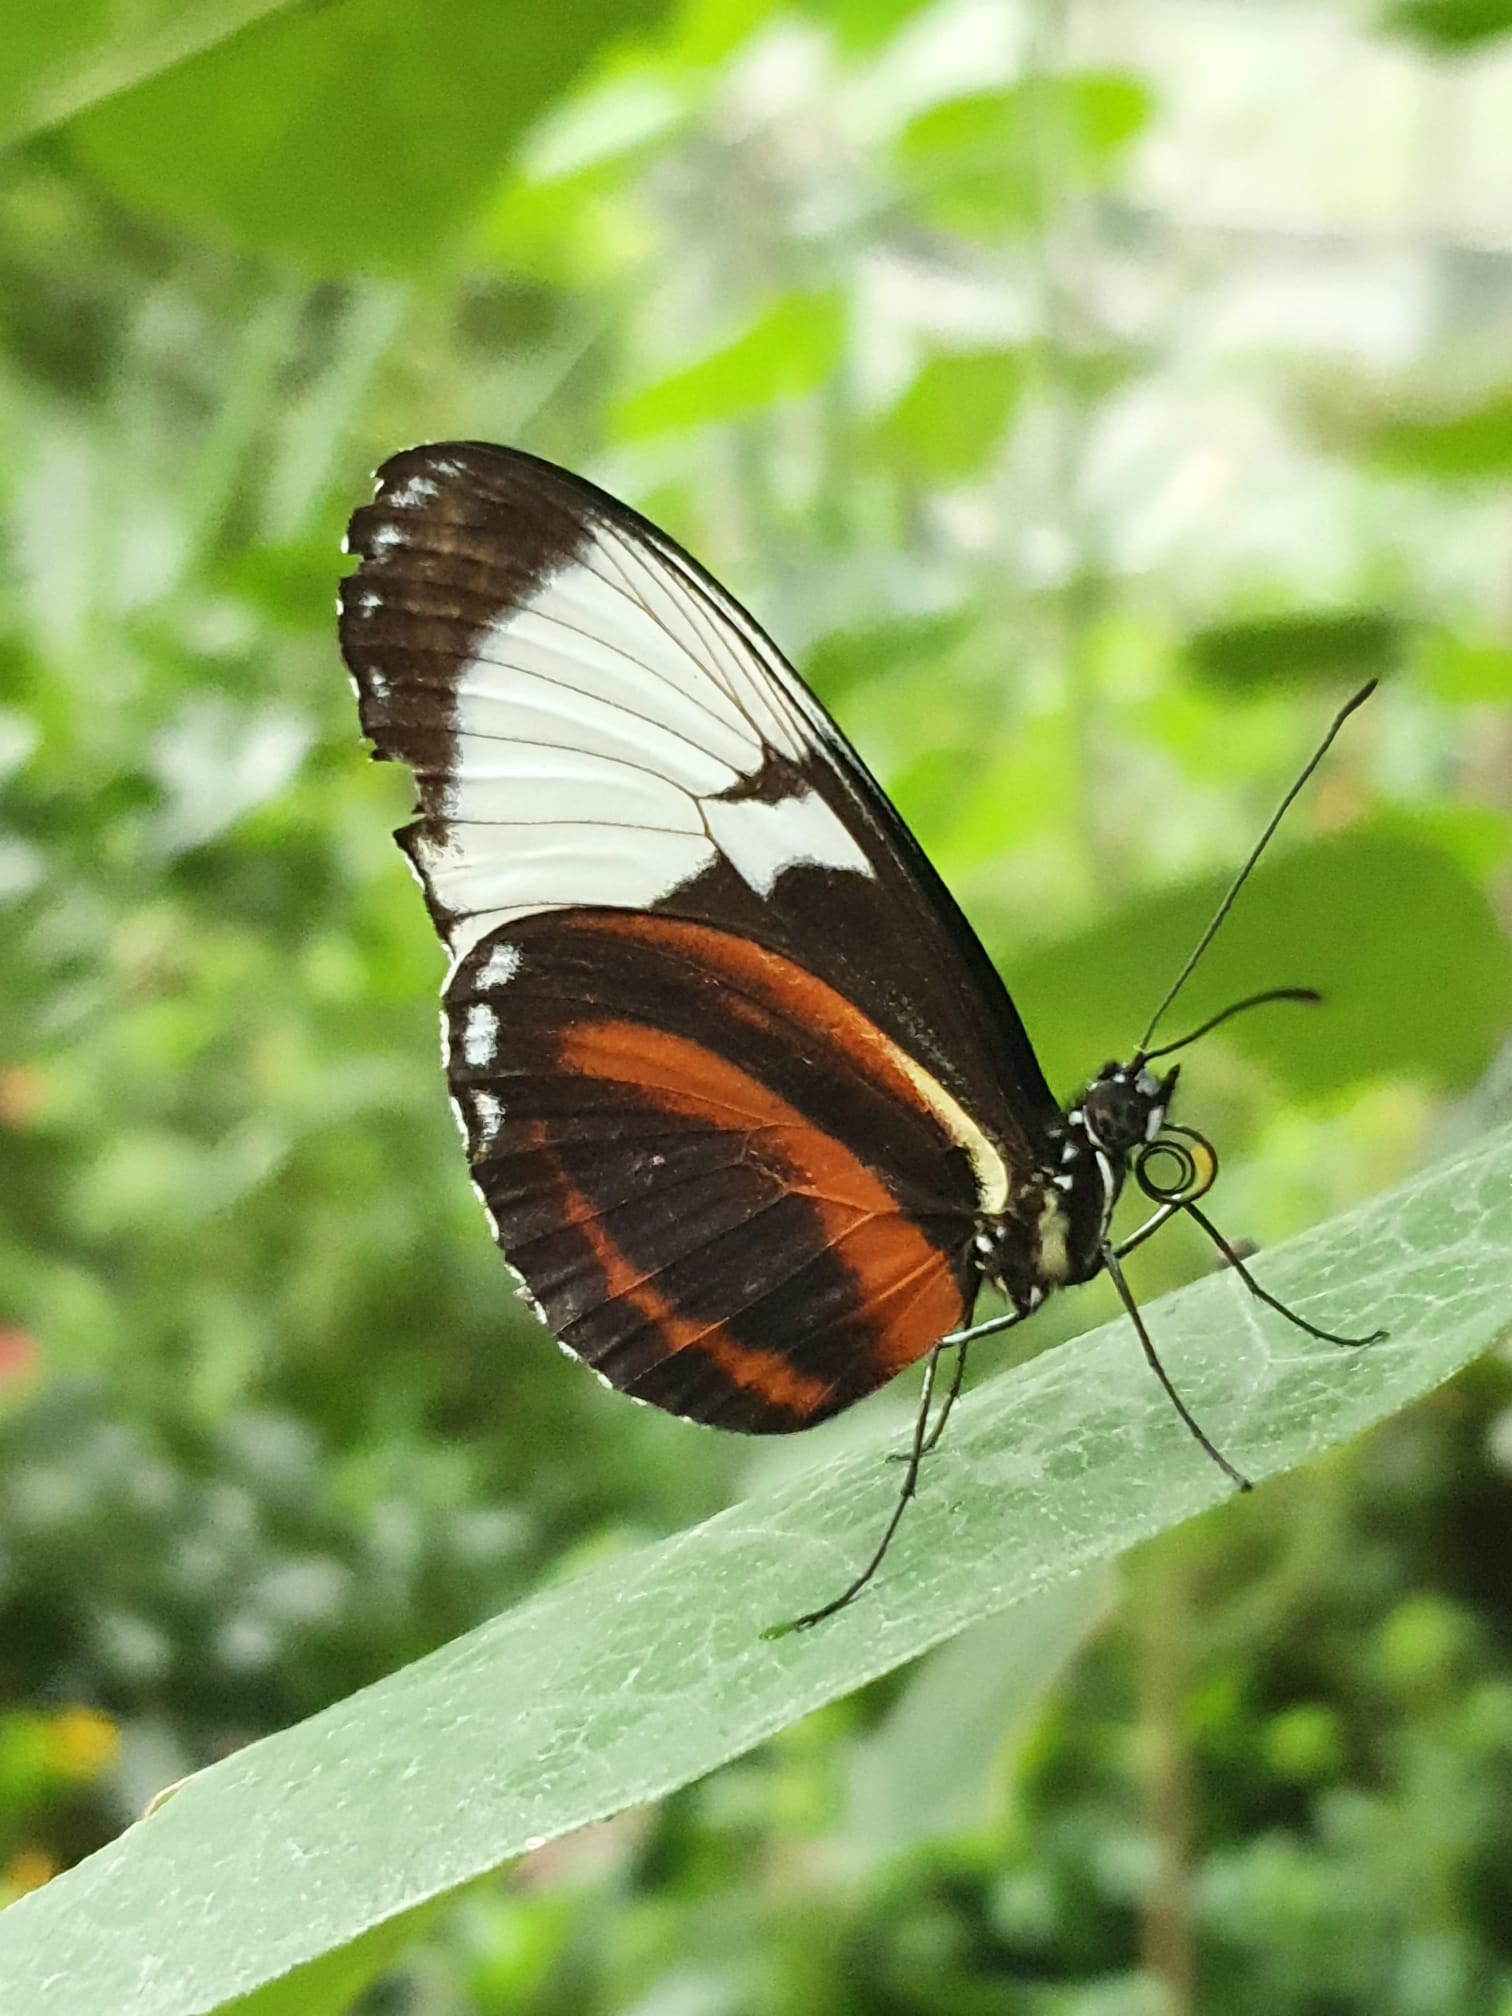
760, 840
1110, 1188
1155, 1122
480, 1035
1147, 1085
1076, 1116
500, 967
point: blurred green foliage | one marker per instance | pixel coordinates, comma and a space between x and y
1082, 488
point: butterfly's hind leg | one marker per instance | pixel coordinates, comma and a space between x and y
923, 1441
952, 1394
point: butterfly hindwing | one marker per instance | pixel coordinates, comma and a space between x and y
718, 1183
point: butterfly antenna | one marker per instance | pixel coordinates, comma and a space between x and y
1255, 852
1243, 1007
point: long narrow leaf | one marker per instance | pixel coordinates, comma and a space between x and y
649, 1671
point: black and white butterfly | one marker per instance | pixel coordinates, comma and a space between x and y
752, 1115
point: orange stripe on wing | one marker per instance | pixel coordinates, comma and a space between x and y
797, 996
862, 1224
766, 1373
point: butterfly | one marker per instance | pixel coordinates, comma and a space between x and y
751, 1113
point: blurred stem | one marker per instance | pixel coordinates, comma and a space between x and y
1165, 1642
267, 340
1069, 606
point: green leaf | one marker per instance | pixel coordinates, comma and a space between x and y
352, 137
950, 420
1465, 670
56, 61
842, 660
647, 1672
1465, 444
861, 25
935, 1764
787, 353
1414, 967
982, 163
329, 1985
1305, 648
1450, 25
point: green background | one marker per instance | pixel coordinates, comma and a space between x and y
1086, 409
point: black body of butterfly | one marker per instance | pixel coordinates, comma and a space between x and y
752, 1115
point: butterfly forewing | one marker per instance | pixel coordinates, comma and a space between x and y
738, 1080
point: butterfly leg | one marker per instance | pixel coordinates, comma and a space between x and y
1236, 1260
953, 1393
913, 1458
1148, 1230
960, 1339
1126, 1296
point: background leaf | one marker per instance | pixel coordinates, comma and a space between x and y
786, 353
1342, 647
1450, 25
1386, 925
927, 1771
351, 137
1457, 443
949, 422
57, 60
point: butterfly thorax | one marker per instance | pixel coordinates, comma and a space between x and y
1056, 1227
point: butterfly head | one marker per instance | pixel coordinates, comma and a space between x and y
1125, 1107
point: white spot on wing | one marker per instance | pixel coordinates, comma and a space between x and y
412, 491
760, 840
500, 967
488, 1113
480, 1036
